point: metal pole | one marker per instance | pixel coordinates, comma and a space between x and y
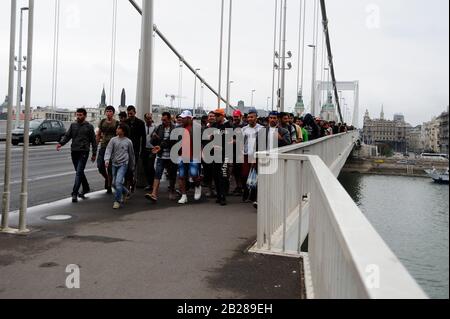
229, 57
19, 71
147, 58
229, 95
303, 46
221, 53
7, 188
172, 48
195, 91
283, 60
253, 92
299, 47
202, 97
313, 85
55, 55
274, 49
26, 136
113, 54
279, 57
180, 87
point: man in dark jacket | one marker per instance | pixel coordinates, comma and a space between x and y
221, 169
137, 135
82, 135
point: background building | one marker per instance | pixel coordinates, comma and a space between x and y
430, 136
385, 132
414, 140
328, 112
443, 133
245, 109
4, 106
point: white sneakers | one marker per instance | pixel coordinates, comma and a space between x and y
183, 200
116, 205
197, 196
198, 193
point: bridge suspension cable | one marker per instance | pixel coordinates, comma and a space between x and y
172, 48
330, 57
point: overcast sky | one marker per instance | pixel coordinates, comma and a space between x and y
397, 49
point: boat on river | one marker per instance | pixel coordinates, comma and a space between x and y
440, 177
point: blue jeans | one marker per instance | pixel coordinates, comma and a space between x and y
79, 160
119, 173
193, 169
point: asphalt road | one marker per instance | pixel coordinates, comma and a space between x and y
51, 174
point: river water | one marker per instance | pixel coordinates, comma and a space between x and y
412, 216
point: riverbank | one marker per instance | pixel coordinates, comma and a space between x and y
392, 166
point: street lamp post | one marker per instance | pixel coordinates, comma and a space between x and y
221, 54
228, 96
4, 228
19, 60
283, 60
195, 91
253, 94
313, 87
180, 86
26, 136
229, 57
274, 49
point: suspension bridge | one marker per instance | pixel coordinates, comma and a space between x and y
309, 237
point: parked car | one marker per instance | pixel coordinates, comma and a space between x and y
41, 132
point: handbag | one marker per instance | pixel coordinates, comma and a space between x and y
252, 181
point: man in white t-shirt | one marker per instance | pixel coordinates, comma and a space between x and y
250, 133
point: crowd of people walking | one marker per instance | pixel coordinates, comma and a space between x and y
205, 155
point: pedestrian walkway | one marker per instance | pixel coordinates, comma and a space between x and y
144, 251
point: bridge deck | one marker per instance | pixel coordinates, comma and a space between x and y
144, 251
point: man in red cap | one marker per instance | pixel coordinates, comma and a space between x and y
237, 119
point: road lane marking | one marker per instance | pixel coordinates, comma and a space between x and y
41, 178
64, 201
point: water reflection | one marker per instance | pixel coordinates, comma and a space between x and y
353, 184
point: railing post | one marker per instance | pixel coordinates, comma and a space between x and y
262, 209
284, 205
300, 208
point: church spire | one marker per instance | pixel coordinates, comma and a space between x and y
123, 98
382, 112
103, 99
300, 105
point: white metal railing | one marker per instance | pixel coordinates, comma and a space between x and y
281, 177
299, 195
